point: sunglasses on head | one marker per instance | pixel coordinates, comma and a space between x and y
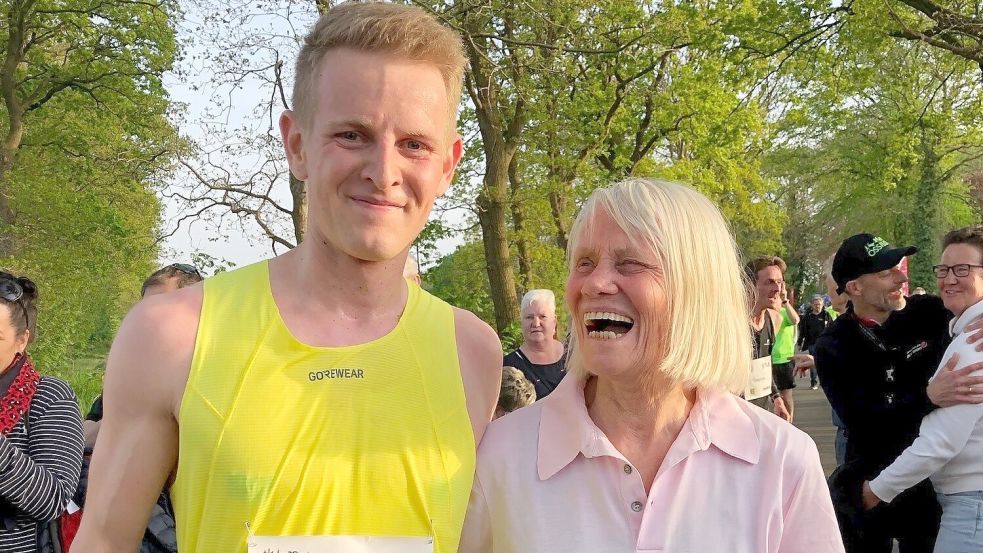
185, 268
12, 291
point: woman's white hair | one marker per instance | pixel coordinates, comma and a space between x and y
543, 296
707, 342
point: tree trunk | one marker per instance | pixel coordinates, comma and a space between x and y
518, 226
926, 213
492, 205
13, 55
298, 190
558, 208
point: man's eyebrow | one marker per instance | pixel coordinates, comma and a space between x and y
357, 123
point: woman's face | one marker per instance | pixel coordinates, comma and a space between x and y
617, 298
959, 293
11, 342
538, 323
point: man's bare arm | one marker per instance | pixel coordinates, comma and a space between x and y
480, 354
138, 440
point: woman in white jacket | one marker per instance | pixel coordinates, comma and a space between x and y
949, 447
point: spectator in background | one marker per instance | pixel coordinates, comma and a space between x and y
541, 355
919, 291
949, 447
811, 326
837, 307
874, 364
170, 278
517, 392
40, 429
766, 273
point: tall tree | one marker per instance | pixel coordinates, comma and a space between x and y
111, 54
86, 140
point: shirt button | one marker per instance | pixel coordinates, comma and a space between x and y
636, 506
627, 469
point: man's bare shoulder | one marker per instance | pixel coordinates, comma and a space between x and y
476, 336
155, 344
479, 354
170, 319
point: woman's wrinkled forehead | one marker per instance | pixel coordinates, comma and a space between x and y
590, 237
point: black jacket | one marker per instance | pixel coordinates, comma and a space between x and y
876, 381
811, 327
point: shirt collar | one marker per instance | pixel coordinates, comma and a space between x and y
974, 312
566, 429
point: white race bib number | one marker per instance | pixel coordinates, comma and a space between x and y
759, 385
338, 544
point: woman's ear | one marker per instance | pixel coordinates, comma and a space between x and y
22, 340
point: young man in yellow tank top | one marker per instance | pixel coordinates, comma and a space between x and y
317, 402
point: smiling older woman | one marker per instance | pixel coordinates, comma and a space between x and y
644, 447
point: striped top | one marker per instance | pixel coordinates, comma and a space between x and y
39, 472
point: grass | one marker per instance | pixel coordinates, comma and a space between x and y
84, 374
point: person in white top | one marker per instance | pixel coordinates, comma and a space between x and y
949, 447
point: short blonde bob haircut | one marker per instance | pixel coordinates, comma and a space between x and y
707, 343
404, 31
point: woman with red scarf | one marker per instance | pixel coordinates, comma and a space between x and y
40, 429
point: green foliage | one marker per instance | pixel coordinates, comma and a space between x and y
96, 143
84, 374
511, 338
460, 279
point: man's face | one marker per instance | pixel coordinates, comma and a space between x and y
817, 305
881, 291
375, 153
768, 286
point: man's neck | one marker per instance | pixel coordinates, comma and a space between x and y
758, 314
865, 311
333, 299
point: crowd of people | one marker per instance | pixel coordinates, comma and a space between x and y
322, 400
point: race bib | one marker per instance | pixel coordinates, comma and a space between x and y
338, 544
759, 385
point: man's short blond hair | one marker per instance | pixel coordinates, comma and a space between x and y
404, 31
707, 342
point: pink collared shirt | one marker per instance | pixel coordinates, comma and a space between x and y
736, 480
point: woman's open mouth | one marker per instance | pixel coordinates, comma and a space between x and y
607, 326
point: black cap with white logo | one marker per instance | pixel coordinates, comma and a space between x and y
862, 254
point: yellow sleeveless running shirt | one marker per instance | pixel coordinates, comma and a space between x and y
369, 440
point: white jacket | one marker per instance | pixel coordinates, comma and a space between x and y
949, 447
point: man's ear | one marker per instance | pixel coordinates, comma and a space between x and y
451, 160
853, 288
293, 142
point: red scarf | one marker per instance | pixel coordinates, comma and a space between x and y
17, 401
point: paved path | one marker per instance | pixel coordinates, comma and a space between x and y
813, 415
